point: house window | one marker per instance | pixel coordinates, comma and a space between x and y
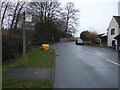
112, 31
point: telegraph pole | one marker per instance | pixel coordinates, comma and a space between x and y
24, 35
26, 18
0, 18
0, 49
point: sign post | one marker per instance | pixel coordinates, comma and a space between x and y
26, 18
24, 38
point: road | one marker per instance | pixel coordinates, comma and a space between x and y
80, 66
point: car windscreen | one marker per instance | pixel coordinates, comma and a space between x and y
79, 40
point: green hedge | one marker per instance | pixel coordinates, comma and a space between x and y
11, 47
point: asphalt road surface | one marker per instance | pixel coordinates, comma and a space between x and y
80, 66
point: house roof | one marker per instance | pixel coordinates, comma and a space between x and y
117, 37
104, 35
117, 18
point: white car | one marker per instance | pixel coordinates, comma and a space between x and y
79, 41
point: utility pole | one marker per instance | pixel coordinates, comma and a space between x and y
0, 50
26, 18
0, 17
24, 35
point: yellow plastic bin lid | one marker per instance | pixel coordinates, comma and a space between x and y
45, 45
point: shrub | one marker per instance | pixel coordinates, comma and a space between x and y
12, 43
11, 47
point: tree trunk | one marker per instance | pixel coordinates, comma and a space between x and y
17, 18
14, 16
4, 14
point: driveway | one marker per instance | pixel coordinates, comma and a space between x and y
80, 66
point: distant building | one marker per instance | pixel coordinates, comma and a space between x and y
103, 39
113, 31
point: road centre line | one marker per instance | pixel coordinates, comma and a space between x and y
112, 62
106, 59
91, 53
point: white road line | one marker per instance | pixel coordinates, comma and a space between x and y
91, 53
112, 62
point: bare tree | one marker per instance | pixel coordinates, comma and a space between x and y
14, 15
4, 4
45, 13
18, 15
45, 9
70, 15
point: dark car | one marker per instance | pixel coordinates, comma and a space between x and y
79, 42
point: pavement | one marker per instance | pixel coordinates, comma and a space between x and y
30, 73
80, 66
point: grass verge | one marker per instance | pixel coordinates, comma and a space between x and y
25, 83
36, 57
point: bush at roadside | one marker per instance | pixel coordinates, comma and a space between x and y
11, 47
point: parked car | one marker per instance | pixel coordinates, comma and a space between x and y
79, 41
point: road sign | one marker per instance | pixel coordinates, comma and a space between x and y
28, 18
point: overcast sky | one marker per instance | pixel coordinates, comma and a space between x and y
95, 15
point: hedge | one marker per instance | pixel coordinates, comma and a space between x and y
11, 47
